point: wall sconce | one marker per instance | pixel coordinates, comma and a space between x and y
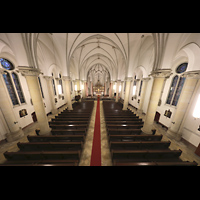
196, 113
114, 87
82, 87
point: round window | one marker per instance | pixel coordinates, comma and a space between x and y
6, 64
181, 68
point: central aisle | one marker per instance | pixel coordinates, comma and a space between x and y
96, 147
103, 140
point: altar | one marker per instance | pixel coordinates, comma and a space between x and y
98, 89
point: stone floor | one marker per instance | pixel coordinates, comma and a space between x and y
187, 150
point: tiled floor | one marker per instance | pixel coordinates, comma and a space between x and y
187, 151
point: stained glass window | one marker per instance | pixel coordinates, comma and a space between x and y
6, 64
140, 87
178, 91
60, 83
41, 87
18, 87
172, 89
176, 85
181, 68
10, 88
54, 87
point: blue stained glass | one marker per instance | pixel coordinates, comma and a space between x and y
6, 64
18, 87
181, 68
178, 91
10, 88
140, 88
172, 89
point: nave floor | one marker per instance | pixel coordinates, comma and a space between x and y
187, 150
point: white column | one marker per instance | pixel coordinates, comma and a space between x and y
159, 77
142, 96
127, 92
111, 89
31, 74
51, 94
15, 132
68, 92
117, 90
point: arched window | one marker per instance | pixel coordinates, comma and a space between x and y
12, 82
18, 87
176, 85
41, 87
54, 86
141, 82
60, 83
10, 88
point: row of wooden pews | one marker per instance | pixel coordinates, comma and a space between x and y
62, 147
130, 147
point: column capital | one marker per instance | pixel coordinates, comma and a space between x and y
29, 71
161, 73
2, 71
192, 74
146, 79
66, 78
128, 78
48, 78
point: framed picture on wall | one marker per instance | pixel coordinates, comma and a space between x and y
23, 113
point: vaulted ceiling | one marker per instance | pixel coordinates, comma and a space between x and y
120, 54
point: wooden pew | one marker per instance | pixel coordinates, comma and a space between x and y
54, 122
146, 155
124, 126
143, 145
43, 162
68, 132
52, 164
183, 163
69, 119
56, 138
140, 122
69, 126
43, 155
116, 138
75, 114
49, 146
123, 131
119, 118
73, 118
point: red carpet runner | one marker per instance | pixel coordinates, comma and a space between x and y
96, 146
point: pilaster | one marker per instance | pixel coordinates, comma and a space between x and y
51, 94
68, 91
127, 92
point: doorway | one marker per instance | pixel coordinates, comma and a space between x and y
34, 117
157, 117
